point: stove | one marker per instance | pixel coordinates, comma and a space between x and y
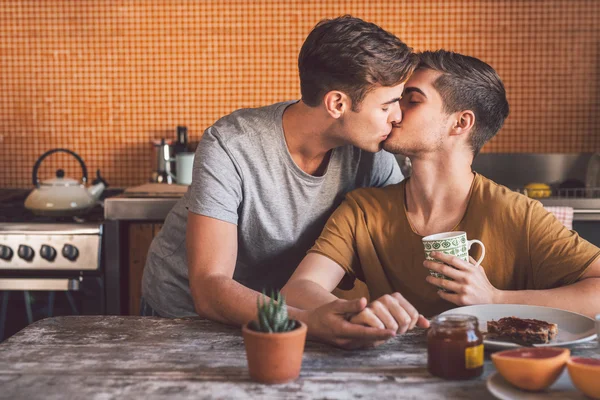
29, 242
44, 259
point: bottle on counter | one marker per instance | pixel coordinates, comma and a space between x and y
181, 145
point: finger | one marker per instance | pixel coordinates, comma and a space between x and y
385, 314
349, 306
451, 297
447, 284
378, 316
451, 260
399, 316
409, 312
422, 322
444, 269
367, 318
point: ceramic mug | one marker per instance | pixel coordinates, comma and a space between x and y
184, 164
452, 243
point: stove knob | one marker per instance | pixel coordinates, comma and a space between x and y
48, 252
70, 252
6, 252
26, 252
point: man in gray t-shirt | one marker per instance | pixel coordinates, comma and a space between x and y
266, 180
247, 177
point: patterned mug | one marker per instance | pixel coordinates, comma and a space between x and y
452, 243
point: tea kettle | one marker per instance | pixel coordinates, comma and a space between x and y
63, 196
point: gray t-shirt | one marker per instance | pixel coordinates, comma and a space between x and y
244, 174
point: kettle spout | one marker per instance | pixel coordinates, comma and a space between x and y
98, 186
96, 190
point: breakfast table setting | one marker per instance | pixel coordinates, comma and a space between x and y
106, 357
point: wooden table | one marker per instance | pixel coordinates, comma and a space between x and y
142, 357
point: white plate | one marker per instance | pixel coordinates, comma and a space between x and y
561, 389
572, 328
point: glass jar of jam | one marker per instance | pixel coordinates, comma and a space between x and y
455, 347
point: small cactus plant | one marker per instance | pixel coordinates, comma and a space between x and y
272, 314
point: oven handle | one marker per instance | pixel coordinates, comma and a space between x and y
64, 284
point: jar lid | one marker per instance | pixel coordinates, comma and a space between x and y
455, 320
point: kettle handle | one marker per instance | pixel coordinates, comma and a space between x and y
36, 166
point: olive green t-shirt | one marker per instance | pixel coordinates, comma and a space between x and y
371, 238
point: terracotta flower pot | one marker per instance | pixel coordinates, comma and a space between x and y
274, 357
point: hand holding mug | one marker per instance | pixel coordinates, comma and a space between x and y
451, 243
469, 284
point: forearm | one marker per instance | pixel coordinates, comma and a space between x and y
227, 301
306, 294
222, 299
582, 297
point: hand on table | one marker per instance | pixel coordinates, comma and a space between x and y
391, 311
470, 286
329, 324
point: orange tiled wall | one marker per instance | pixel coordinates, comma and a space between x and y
104, 77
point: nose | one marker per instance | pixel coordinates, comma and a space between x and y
396, 114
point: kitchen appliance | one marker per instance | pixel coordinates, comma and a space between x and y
63, 196
49, 264
163, 171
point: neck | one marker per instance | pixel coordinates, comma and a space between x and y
437, 192
306, 130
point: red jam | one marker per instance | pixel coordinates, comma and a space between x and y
455, 347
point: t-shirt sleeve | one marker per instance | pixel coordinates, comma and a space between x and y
386, 170
338, 238
216, 189
558, 256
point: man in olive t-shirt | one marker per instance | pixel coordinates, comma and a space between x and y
451, 106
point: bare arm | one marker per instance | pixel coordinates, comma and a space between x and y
471, 286
311, 284
212, 252
582, 297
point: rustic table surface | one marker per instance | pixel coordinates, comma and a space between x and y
143, 357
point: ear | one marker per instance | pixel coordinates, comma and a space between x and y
336, 103
464, 122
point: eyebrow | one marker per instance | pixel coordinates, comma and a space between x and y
391, 101
412, 89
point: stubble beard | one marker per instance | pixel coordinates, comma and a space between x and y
413, 149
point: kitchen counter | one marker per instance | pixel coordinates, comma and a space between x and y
147, 357
149, 202
152, 202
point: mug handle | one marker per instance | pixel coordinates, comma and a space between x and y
470, 243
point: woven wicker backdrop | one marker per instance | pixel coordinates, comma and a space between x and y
105, 77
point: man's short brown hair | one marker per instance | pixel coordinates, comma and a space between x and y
467, 83
352, 56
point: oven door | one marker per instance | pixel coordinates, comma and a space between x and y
25, 299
